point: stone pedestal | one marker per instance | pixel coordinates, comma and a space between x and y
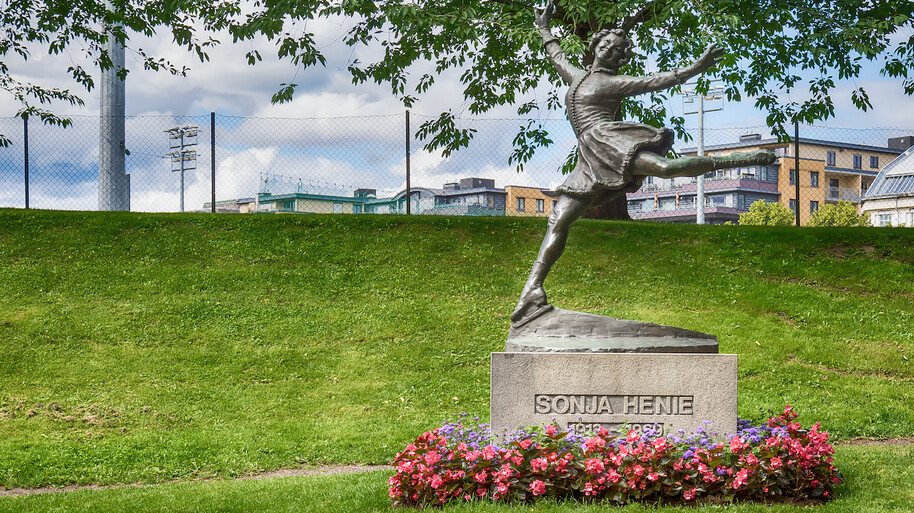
566, 331
584, 391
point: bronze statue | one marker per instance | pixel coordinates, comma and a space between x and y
613, 156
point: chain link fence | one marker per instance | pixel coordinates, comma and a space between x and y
365, 164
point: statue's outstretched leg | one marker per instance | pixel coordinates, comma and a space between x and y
533, 303
651, 164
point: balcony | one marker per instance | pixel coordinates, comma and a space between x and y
849, 194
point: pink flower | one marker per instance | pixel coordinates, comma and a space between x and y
539, 464
613, 476
471, 455
594, 443
551, 430
776, 463
688, 494
481, 492
538, 487
736, 445
436, 481
742, 477
752, 460
481, 477
432, 457
525, 443
653, 476
638, 470
633, 436
660, 444
488, 452
461, 447
593, 466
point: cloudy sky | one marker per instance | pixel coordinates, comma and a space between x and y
333, 137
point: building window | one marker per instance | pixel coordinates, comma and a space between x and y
829, 158
858, 161
540, 205
337, 208
520, 204
813, 206
357, 209
883, 219
793, 177
813, 178
874, 162
288, 205
491, 201
793, 205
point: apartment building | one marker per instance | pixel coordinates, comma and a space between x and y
829, 171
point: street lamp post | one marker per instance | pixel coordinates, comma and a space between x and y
690, 96
183, 156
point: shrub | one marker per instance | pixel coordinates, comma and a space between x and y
457, 463
767, 213
840, 214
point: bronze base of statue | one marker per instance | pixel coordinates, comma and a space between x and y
564, 331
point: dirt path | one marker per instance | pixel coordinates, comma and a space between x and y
324, 470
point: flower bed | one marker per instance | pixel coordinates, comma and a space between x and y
457, 463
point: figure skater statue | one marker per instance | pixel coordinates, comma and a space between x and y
613, 156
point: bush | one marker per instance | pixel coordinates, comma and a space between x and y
840, 214
764, 213
455, 463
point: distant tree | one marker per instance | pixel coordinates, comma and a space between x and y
766, 213
839, 214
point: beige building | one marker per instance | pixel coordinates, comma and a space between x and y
829, 171
529, 201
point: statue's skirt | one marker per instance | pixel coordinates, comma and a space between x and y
606, 152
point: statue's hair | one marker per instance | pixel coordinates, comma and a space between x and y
598, 36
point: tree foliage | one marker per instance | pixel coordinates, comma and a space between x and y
764, 213
838, 214
773, 47
85, 26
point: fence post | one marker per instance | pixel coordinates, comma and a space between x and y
408, 206
212, 157
796, 160
25, 158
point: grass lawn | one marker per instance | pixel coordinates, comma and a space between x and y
881, 482
150, 347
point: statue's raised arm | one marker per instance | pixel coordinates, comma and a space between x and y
543, 19
632, 86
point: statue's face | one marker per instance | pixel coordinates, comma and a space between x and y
612, 52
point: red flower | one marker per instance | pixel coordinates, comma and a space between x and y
594, 466
538, 487
539, 464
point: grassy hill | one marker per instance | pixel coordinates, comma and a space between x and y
142, 347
